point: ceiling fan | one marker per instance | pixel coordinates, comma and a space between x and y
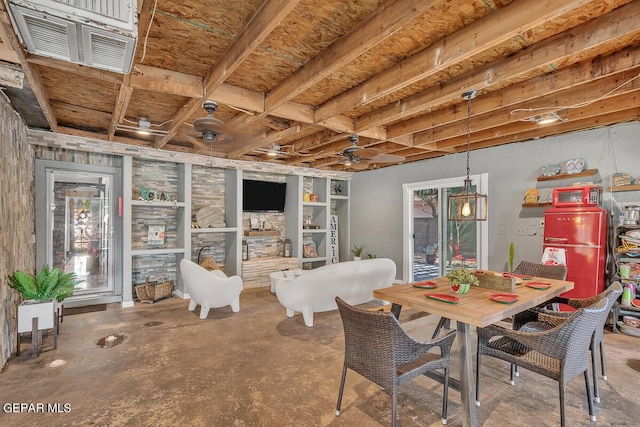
360, 158
209, 127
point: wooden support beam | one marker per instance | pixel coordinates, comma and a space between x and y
255, 30
480, 36
379, 25
33, 74
603, 32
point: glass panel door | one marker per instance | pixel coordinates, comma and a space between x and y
426, 246
80, 228
433, 244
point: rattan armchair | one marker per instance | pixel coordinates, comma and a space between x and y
560, 353
379, 349
528, 268
539, 319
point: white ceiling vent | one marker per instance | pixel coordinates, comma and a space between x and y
97, 33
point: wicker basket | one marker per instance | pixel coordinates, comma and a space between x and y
151, 291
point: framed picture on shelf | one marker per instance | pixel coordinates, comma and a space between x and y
155, 236
309, 250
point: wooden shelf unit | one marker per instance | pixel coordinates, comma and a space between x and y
632, 187
586, 172
259, 233
537, 205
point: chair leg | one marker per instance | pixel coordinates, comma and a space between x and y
394, 406
594, 369
478, 356
344, 376
602, 364
513, 374
445, 396
562, 411
592, 413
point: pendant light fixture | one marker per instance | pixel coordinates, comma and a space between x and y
468, 205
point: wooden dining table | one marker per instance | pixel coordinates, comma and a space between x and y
476, 308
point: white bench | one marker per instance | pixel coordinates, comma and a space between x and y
353, 281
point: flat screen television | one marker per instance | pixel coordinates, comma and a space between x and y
263, 196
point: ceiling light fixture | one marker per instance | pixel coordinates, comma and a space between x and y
143, 127
468, 205
547, 118
274, 150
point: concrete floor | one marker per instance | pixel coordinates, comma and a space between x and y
260, 368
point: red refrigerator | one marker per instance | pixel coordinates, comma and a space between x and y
582, 233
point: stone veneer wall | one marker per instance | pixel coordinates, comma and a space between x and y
17, 218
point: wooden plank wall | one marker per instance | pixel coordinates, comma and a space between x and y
17, 218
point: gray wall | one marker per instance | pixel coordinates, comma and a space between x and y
376, 201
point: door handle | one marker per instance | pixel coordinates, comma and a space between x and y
555, 239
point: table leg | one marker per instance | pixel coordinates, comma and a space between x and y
395, 309
466, 376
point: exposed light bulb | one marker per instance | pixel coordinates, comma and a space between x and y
466, 209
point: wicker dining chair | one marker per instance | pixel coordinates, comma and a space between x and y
559, 353
539, 319
535, 269
379, 349
528, 268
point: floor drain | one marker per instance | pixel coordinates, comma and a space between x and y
634, 364
111, 341
153, 323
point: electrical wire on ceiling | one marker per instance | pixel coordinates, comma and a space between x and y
152, 124
578, 105
146, 36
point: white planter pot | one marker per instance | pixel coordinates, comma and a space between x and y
357, 258
43, 310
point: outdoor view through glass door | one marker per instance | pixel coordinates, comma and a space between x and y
436, 245
80, 228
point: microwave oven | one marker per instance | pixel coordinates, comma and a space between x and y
587, 195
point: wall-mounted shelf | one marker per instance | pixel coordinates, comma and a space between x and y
634, 187
586, 172
262, 233
536, 205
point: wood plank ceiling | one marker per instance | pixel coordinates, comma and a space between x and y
307, 74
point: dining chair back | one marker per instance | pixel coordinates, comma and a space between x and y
379, 349
560, 353
538, 319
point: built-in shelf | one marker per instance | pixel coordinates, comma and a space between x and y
536, 205
314, 230
587, 172
157, 251
634, 187
319, 258
322, 204
262, 233
214, 230
163, 204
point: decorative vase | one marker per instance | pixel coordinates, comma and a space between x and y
431, 259
460, 288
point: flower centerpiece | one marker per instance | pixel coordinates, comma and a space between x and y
461, 280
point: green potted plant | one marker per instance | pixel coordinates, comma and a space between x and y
357, 252
461, 280
41, 295
372, 255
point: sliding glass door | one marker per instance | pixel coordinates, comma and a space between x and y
433, 245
